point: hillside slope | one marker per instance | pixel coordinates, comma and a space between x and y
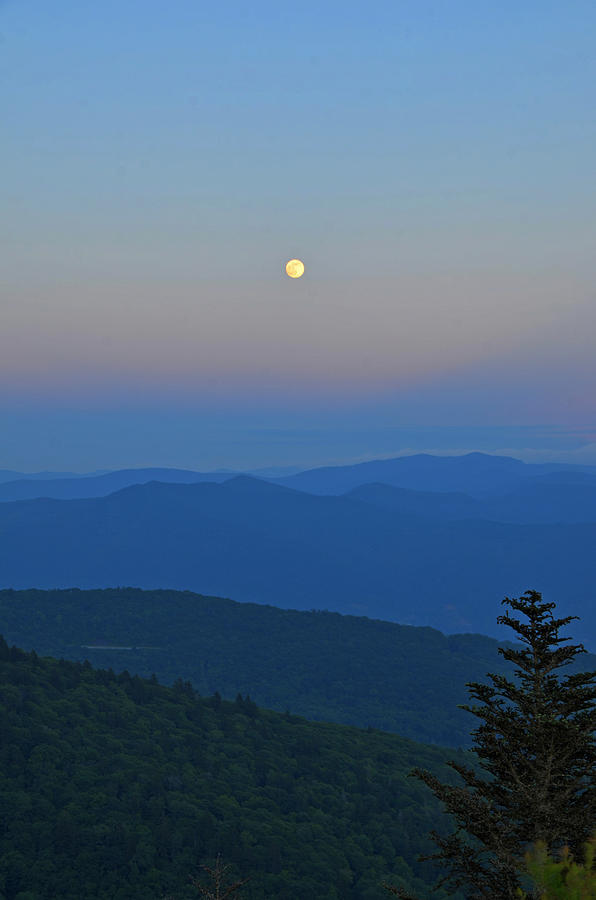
318, 664
117, 789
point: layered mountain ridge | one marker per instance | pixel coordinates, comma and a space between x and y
266, 543
321, 665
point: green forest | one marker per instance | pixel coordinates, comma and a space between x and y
117, 787
320, 665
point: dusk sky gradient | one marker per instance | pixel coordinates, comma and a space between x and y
432, 163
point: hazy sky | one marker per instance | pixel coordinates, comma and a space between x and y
432, 163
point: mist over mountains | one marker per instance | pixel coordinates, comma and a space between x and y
435, 557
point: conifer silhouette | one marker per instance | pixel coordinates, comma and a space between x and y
536, 745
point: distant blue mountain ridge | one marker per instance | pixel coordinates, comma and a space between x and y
82, 486
434, 558
477, 474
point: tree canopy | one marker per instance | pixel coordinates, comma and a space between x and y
118, 788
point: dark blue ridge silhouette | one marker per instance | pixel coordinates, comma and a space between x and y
255, 541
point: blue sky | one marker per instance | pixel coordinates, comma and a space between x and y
432, 164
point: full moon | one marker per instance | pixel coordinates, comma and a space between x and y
295, 268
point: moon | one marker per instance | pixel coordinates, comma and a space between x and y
295, 268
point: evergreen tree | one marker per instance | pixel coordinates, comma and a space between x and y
536, 745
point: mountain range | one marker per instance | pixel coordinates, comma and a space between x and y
477, 474
77, 487
253, 540
320, 665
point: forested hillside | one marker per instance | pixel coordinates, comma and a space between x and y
116, 788
317, 664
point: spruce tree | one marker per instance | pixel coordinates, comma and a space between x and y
536, 747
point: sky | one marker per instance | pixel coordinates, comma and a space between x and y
431, 163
